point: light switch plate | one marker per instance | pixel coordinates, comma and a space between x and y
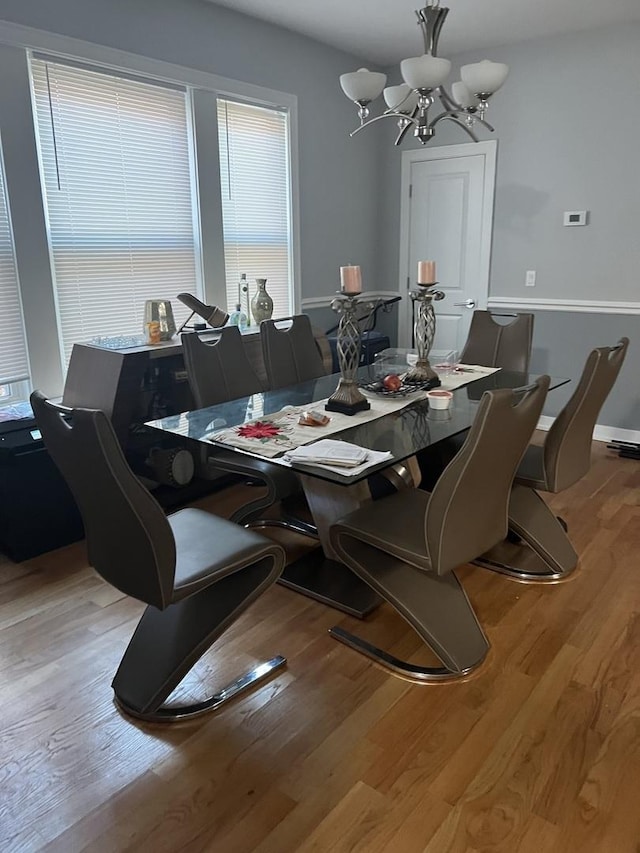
576, 217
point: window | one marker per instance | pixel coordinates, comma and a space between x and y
126, 177
14, 364
256, 204
116, 157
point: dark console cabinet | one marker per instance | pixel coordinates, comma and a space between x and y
37, 511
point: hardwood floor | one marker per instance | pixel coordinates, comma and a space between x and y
539, 751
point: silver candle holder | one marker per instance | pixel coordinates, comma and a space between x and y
424, 329
347, 397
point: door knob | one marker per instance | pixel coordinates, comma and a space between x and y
470, 303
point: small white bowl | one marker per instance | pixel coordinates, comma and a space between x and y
439, 399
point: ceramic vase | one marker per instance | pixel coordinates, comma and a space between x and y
261, 303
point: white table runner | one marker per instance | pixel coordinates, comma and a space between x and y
464, 374
276, 434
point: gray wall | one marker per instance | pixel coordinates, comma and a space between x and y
568, 137
338, 189
561, 342
568, 140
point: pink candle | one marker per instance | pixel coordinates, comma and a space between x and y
426, 272
350, 279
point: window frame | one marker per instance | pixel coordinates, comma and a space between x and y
17, 43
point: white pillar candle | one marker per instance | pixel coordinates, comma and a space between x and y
426, 272
350, 279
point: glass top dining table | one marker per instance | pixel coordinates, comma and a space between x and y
403, 432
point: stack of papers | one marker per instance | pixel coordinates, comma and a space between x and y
328, 451
339, 456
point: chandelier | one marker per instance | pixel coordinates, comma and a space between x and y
424, 76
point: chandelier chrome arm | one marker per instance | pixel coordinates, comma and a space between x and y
458, 121
403, 130
482, 121
453, 106
401, 116
464, 117
405, 121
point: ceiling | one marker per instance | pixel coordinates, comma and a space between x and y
385, 31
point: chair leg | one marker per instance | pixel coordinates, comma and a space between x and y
167, 643
250, 511
436, 607
294, 525
543, 552
249, 514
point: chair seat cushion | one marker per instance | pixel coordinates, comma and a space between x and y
394, 524
198, 564
531, 469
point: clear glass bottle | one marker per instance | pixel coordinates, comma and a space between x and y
238, 318
243, 296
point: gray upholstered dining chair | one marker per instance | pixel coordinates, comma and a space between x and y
492, 344
495, 344
406, 546
290, 351
195, 572
219, 371
538, 547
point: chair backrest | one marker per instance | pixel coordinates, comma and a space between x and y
129, 539
567, 448
290, 353
219, 370
496, 344
468, 509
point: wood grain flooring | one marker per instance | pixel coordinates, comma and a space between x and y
538, 751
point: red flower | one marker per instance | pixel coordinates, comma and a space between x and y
260, 429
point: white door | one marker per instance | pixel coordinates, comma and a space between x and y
446, 216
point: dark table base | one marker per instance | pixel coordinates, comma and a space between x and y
331, 583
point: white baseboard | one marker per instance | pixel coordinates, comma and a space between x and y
545, 423
602, 432
608, 433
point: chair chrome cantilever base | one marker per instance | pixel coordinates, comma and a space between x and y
294, 525
521, 575
410, 671
542, 552
181, 713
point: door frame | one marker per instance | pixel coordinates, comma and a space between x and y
445, 152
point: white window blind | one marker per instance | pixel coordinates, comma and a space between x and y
255, 184
14, 364
117, 172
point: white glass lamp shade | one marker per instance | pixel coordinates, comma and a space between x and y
401, 98
461, 95
484, 77
424, 72
363, 85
